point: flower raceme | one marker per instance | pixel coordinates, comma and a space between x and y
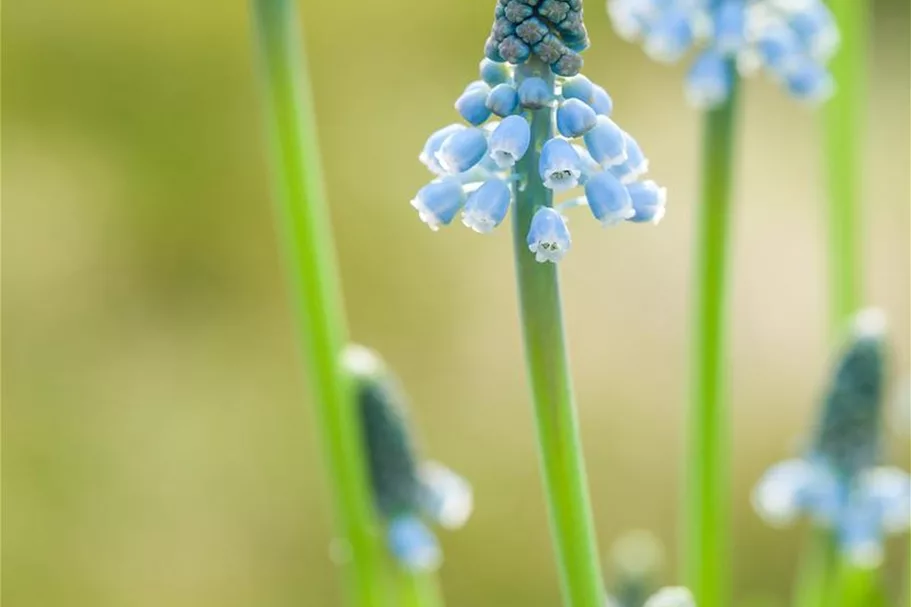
838, 482
406, 491
475, 163
791, 40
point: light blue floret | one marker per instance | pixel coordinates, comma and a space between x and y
815, 26
438, 202
494, 73
472, 105
579, 87
509, 141
730, 27
534, 93
670, 37
559, 165
428, 155
648, 201
413, 544
487, 206
606, 142
708, 83
548, 237
609, 200
503, 100
635, 165
601, 101
462, 150
808, 81
575, 118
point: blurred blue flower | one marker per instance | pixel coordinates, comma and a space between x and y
838, 482
791, 40
404, 488
480, 167
413, 544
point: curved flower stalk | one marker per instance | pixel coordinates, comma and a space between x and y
407, 490
476, 163
838, 482
790, 40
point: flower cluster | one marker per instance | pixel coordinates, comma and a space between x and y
838, 482
476, 163
551, 30
405, 489
792, 40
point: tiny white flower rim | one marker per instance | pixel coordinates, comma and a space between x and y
429, 217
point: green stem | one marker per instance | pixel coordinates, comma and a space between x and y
817, 570
306, 230
858, 587
844, 151
419, 590
559, 445
706, 558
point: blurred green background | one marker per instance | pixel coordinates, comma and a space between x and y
158, 442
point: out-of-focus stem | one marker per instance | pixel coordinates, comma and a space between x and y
310, 255
844, 153
707, 558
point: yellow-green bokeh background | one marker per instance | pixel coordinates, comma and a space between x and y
159, 446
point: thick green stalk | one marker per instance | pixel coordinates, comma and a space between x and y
560, 448
816, 573
844, 152
306, 230
707, 557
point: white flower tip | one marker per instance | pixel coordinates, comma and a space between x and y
659, 215
674, 596
432, 221
449, 499
562, 180
361, 361
774, 501
618, 218
870, 323
480, 223
503, 159
615, 160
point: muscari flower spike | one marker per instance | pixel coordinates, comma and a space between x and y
838, 482
476, 165
791, 40
407, 490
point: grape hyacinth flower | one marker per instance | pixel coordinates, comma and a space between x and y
838, 482
532, 63
407, 491
791, 40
